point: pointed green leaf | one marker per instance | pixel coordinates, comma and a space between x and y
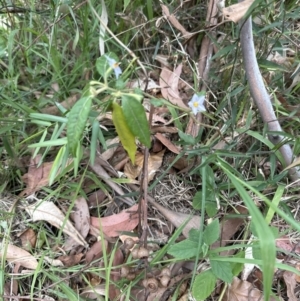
211, 232
78, 117
222, 270
184, 250
125, 134
204, 285
136, 118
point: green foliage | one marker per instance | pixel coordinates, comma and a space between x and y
204, 285
124, 132
136, 118
77, 119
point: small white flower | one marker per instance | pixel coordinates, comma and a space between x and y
197, 103
115, 65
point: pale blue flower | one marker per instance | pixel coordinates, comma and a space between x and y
197, 103
115, 65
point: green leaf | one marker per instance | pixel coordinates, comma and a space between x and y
78, 117
94, 139
187, 138
221, 269
124, 132
184, 250
210, 202
204, 285
126, 2
271, 66
211, 232
55, 142
237, 267
102, 64
136, 118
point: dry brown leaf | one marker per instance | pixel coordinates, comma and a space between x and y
94, 292
297, 277
117, 261
169, 85
47, 211
141, 84
110, 150
242, 291
164, 129
17, 255
36, 177
166, 142
154, 163
290, 281
113, 225
177, 218
96, 251
96, 198
237, 11
70, 260
28, 239
53, 262
175, 22
229, 227
81, 218
284, 242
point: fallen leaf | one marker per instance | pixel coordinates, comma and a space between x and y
284, 243
28, 239
112, 145
166, 142
93, 292
96, 198
169, 85
297, 277
36, 177
242, 291
16, 255
237, 11
47, 211
141, 84
290, 281
81, 218
229, 226
113, 225
70, 260
177, 218
154, 163
117, 261
53, 262
96, 251
173, 20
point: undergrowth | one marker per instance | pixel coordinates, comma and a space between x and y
63, 102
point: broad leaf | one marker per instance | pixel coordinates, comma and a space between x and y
136, 118
203, 285
76, 123
184, 250
222, 270
124, 132
211, 232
